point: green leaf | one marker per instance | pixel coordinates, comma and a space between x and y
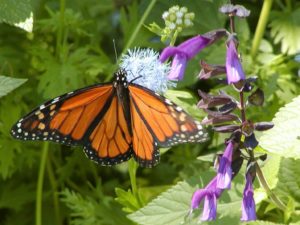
271, 170
127, 199
261, 222
7, 84
289, 180
173, 206
17, 13
7, 157
284, 138
15, 195
88, 211
285, 29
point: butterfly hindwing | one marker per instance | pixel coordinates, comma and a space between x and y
110, 142
168, 123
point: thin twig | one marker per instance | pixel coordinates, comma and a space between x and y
270, 193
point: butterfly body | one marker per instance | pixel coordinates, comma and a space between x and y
121, 86
113, 122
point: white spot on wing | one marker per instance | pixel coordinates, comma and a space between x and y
55, 100
42, 107
178, 108
168, 101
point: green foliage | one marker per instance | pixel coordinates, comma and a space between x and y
17, 13
260, 222
173, 206
8, 84
89, 211
285, 29
283, 139
71, 46
127, 199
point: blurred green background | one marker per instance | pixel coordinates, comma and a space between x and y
71, 46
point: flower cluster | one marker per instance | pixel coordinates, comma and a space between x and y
144, 64
224, 113
177, 18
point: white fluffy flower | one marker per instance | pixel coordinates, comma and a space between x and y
187, 22
172, 26
165, 15
144, 63
179, 21
179, 14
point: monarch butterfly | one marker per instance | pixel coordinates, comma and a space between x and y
113, 121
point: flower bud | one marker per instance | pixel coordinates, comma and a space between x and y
262, 126
257, 97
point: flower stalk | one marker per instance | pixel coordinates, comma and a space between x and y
264, 184
227, 115
261, 26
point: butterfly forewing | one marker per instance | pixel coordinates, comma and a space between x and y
168, 123
65, 119
145, 149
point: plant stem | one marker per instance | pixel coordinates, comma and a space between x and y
270, 193
138, 27
288, 5
59, 38
174, 37
132, 168
243, 112
39, 188
54, 185
261, 26
232, 25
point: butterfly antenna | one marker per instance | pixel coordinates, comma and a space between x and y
116, 54
135, 79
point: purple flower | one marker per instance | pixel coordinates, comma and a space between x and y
183, 52
248, 204
210, 194
224, 175
187, 50
234, 68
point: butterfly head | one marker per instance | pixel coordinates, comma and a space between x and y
120, 78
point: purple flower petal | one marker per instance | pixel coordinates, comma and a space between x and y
189, 48
183, 52
197, 198
167, 52
210, 193
234, 68
210, 207
224, 175
193, 45
248, 204
178, 67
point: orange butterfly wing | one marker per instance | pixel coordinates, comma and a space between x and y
66, 119
145, 150
158, 121
94, 117
110, 142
